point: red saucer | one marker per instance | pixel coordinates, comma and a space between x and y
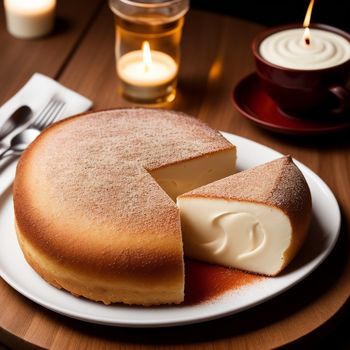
252, 101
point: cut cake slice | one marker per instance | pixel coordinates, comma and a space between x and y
255, 220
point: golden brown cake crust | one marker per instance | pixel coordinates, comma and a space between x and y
278, 183
84, 197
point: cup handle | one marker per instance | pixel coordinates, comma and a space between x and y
342, 95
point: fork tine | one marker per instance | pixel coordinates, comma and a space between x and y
42, 114
46, 116
54, 114
50, 112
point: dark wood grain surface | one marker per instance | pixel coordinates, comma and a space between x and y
215, 56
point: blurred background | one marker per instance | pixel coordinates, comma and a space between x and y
273, 12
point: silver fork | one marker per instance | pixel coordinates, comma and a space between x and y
46, 117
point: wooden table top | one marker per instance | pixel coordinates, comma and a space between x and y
215, 56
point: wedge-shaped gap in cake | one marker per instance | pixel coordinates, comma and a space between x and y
181, 177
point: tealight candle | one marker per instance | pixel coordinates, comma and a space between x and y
28, 19
146, 73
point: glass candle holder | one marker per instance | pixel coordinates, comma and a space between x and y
147, 47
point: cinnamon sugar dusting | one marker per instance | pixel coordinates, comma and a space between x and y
278, 183
98, 163
205, 282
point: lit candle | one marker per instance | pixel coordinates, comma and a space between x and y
305, 70
146, 73
305, 49
287, 49
29, 18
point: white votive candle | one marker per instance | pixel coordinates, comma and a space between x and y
287, 48
147, 74
28, 19
131, 69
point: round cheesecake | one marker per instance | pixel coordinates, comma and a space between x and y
94, 201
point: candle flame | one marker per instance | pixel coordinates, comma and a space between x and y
307, 19
308, 14
307, 36
146, 56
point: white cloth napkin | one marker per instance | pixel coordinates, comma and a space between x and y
36, 93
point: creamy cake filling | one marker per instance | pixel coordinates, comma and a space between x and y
244, 235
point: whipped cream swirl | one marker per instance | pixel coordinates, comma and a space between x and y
288, 49
242, 235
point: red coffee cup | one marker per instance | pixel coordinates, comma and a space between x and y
300, 90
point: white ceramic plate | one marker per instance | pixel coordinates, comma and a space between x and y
324, 232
